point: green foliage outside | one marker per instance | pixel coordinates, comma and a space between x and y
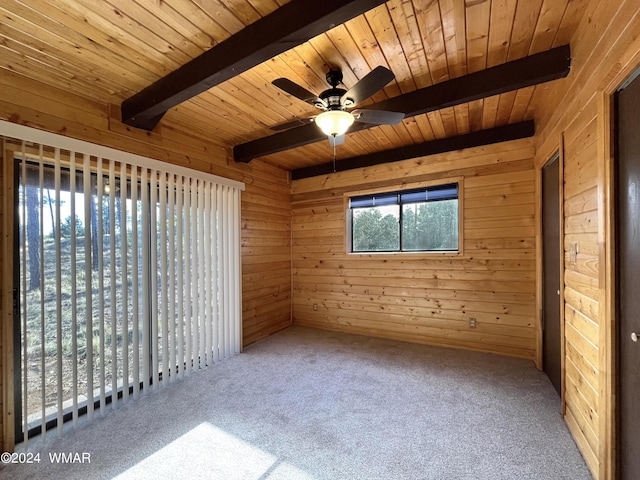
430, 226
374, 233
425, 226
66, 228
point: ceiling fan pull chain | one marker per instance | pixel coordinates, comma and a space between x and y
334, 156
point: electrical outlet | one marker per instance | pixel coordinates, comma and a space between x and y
473, 323
315, 307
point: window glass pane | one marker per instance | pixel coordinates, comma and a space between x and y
375, 229
430, 226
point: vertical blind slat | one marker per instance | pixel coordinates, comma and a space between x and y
88, 233
74, 290
172, 278
146, 274
188, 308
154, 279
101, 305
194, 275
201, 273
163, 331
220, 269
112, 284
135, 275
180, 287
43, 365
213, 269
225, 266
60, 416
207, 268
124, 247
236, 303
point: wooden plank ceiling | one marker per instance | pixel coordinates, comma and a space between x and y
108, 50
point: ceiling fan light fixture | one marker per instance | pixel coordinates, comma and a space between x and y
334, 122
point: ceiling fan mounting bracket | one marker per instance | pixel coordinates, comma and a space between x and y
334, 77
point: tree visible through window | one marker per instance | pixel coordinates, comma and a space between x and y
412, 220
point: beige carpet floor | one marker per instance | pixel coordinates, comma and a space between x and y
309, 404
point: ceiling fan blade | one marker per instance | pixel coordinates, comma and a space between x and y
336, 140
368, 85
378, 117
297, 91
293, 123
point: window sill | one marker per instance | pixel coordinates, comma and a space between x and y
450, 253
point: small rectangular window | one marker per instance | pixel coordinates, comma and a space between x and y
416, 220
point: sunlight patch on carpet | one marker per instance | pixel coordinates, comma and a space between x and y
206, 452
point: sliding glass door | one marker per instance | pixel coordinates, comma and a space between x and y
129, 279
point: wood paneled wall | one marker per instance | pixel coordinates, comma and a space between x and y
581, 284
266, 252
426, 298
266, 211
576, 116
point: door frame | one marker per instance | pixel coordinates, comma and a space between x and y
607, 156
626, 76
557, 156
623, 72
7, 249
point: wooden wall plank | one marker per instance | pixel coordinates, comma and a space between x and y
581, 440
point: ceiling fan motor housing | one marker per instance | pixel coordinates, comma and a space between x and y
332, 98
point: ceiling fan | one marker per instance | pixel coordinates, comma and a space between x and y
335, 102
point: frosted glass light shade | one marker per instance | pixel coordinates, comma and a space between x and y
334, 122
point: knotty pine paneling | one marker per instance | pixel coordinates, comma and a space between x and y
425, 298
265, 222
576, 117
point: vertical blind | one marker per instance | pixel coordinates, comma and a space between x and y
138, 267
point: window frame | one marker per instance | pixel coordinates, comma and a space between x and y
395, 188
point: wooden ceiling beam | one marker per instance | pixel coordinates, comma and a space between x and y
525, 72
505, 133
287, 27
